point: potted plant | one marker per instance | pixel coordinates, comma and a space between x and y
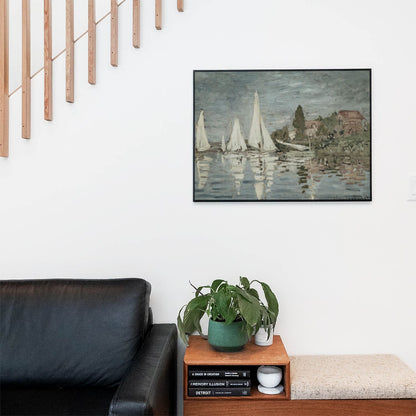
234, 312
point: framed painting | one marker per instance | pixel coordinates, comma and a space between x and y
282, 135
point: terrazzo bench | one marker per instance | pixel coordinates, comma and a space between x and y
350, 385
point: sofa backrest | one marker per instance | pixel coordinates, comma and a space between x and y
70, 331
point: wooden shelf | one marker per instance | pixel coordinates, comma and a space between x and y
201, 354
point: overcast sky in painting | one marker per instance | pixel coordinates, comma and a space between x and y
225, 95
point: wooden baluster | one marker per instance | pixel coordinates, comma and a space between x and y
4, 78
69, 56
114, 33
26, 80
136, 23
158, 14
47, 47
91, 42
180, 5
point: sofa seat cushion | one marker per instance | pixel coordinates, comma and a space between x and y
345, 377
53, 401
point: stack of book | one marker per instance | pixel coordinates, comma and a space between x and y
218, 382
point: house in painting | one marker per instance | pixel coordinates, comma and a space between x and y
351, 122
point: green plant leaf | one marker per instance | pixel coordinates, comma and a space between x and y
193, 314
245, 283
216, 284
249, 330
246, 295
199, 303
253, 292
241, 292
271, 299
231, 316
196, 317
222, 302
249, 309
258, 324
266, 318
181, 327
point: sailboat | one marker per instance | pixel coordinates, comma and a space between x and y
236, 141
223, 147
201, 142
299, 147
259, 137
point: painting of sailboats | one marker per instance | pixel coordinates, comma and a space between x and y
282, 135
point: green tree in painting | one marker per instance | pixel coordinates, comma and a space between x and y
322, 130
299, 122
331, 122
281, 134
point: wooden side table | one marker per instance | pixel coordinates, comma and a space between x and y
201, 354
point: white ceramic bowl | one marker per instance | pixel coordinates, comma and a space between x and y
269, 375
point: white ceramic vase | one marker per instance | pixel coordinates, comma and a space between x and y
269, 376
261, 338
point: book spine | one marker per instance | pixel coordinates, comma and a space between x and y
219, 373
211, 392
219, 383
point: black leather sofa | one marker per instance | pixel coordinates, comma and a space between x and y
84, 347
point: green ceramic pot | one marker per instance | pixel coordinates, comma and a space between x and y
227, 338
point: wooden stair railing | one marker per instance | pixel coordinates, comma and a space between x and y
48, 58
4, 78
91, 42
26, 79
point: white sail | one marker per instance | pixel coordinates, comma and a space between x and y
236, 142
223, 147
254, 139
201, 142
259, 136
267, 143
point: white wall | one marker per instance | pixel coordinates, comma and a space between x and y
106, 188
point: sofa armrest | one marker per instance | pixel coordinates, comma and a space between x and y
149, 386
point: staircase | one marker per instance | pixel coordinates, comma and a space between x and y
48, 57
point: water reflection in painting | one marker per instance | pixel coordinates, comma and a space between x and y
274, 148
